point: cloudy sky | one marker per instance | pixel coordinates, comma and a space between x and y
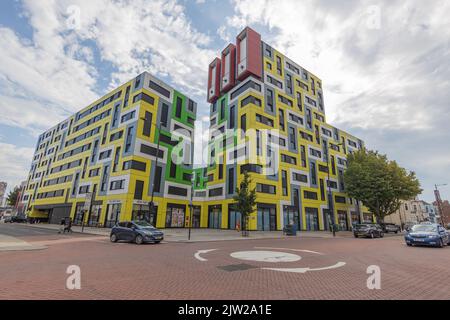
385, 65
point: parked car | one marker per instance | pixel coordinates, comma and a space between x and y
390, 227
136, 231
370, 230
427, 234
409, 225
18, 219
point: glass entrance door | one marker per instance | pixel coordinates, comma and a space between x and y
234, 219
312, 219
342, 217
291, 216
175, 215
267, 218
112, 215
196, 213
215, 217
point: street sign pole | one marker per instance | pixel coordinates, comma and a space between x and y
87, 208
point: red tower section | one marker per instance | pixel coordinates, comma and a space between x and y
249, 55
228, 78
214, 80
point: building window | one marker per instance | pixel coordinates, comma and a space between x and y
159, 89
281, 114
147, 124
243, 124
284, 182
270, 99
129, 139
116, 159
232, 115
313, 173
117, 185
164, 114
222, 109
251, 99
178, 107
231, 181
310, 195
279, 69
138, 190
173, 170
292, 141
266, 188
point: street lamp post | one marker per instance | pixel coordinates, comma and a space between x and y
191, 204
330, 197
438, 201
152, 204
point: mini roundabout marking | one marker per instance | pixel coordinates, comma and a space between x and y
262, 254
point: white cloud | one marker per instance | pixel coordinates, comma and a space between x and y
389, 84
54, 73
14, 164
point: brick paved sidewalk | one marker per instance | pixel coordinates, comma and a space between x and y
201, 235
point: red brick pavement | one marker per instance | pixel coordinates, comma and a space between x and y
170, 271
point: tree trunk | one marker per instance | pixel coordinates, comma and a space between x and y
244, 226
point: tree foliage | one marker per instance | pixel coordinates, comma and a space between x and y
378, 182
11, 199
245, 200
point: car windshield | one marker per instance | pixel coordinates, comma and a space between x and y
143, 225
424, 228
362, 225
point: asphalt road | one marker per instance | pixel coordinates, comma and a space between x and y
289, 268
22, 230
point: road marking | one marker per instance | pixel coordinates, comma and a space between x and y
304, 270
298, 250
197, 254
265, 256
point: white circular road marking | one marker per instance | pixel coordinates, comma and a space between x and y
265, 256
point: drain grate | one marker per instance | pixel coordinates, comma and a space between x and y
237, 267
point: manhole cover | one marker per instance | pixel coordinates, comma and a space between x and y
237, 267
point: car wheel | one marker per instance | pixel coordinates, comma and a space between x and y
381, 234
409, 244
139, 239
113, 238
355, 235
156, 242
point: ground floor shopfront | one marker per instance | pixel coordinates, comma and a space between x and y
175, 213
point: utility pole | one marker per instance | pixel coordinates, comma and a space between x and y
152, 204
439, 202
191, 204
330, 196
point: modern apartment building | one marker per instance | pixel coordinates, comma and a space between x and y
412, 212
96, 166
268, 118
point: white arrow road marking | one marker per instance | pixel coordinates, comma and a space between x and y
298, 250
197, 254
304, 270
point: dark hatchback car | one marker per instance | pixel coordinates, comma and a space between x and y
136, 231
431, 234
18, 219
368, 230
390, 227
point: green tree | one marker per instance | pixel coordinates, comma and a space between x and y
378, 182
245, 201
11, 199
